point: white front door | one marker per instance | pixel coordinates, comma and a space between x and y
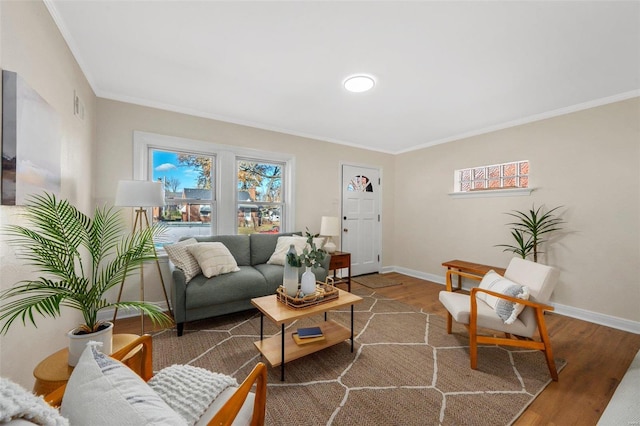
361, 218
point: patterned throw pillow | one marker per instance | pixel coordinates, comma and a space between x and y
104, 392
505, 309
213, 258
180, 256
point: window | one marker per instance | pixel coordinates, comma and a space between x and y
206, 186
260, 205
497, 176
189, 192
360, 184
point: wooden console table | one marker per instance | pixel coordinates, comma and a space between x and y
341, 260
470, 268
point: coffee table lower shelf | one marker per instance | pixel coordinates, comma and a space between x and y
271, 348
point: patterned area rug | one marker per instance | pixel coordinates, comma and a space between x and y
376, 280
405, 369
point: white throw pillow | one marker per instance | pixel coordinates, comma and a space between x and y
180, 256
279, 255
214, 258
190, 390
505, 309
103, 391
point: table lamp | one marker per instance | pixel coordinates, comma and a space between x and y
330, 227
141, 194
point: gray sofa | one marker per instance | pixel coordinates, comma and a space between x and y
223, 294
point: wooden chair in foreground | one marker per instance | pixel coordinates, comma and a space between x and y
226, 414
475, 314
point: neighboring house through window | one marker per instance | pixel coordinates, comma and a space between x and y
214, 189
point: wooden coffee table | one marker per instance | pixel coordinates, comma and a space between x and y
279, 350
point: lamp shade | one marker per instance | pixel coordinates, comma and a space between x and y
330, 226
139, 193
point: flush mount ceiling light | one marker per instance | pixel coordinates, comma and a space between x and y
359, 83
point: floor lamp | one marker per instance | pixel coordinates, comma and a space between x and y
141, 194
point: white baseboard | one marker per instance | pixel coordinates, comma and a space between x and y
107, 314
598, 318
568, 311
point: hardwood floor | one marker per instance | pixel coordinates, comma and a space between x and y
597, 358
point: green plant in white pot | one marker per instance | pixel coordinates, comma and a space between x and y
81, 258
311, 257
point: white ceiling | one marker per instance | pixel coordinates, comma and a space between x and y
444, 70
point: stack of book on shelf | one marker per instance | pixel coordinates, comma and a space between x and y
308, 335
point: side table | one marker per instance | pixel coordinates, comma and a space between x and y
341, 260
469, 267
54, 371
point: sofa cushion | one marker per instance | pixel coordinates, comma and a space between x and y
263, 246
213, 258
103, 391
242, 285
273, 275
180, 256
238, 246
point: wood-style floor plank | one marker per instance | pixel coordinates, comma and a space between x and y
597, 358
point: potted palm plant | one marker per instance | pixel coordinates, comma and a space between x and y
80, 259
529, 230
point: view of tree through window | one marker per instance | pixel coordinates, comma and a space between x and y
260, 199
189, 192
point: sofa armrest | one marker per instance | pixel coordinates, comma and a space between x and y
178, 294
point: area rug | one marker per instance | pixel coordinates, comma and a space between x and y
377, 280
405, 369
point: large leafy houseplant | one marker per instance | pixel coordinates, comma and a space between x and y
81, 258
529, 230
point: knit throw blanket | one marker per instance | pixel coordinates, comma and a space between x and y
18, 403
189, 390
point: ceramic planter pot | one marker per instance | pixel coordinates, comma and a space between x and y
78, 342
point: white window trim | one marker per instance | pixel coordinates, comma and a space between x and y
226, 156
487, 193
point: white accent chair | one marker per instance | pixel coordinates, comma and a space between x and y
234, 406
475, 314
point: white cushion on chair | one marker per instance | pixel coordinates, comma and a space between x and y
459, 305
540, 279
243, 417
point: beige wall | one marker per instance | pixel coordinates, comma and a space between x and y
598, 252
586, 161
317, 163
32, 46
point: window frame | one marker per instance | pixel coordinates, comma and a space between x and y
284, 210
492, 192
225, 187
